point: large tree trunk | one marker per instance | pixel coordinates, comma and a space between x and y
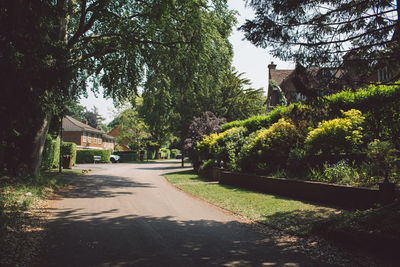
36, 152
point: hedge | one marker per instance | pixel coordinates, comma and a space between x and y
127, 156
51, 153
69, 149
86, 156
165, 153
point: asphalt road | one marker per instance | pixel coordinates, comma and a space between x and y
129, 215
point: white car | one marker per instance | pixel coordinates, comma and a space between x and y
114, 158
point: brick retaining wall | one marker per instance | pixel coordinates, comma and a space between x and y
339, 195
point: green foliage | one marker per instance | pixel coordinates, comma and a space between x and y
165, 153
86, 156
337, 135
380, 104
258, 122
270, 148
174, 152
228, 145
206, 148
69, 149
383, 159
336, 33
51, 153
128, 156
339, 173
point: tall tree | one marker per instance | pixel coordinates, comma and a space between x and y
51, 49
362, 34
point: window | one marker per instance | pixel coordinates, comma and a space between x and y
383, 75
95, 139
84, 137
99, 140
89, 139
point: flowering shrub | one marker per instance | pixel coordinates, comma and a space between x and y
337, 135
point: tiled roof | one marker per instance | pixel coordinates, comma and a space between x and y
280, 75
71, 124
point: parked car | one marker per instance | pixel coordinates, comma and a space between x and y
114, 158
179, 156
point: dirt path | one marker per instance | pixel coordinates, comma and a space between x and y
129, 215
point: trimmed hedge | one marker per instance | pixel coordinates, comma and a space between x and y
51, 153
86, 156
127, 156
69, 149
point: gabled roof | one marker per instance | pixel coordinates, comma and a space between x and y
71, 124
279, 76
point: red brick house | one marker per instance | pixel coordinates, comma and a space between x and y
85, 136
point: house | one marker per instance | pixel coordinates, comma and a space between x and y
85, 136
284, 83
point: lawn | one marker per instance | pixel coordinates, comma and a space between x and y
290, 215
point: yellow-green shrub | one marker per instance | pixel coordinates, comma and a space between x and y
269, 147
338, 135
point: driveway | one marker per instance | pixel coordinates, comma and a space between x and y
129, 215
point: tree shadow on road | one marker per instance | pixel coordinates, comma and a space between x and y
106, 186
80, 239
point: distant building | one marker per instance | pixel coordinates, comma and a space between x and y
85, 136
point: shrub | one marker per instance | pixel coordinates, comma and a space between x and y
174, 152
206, 147
339, 173
51, 153
269, 149
165, 153
86, 156
337, 135
127, 156
69, 149
383, 159
228, 145
380, 104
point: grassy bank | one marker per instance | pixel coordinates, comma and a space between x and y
17, 195
376, 231
290, 215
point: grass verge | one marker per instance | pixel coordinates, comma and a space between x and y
376, 231
286, 214
17, 195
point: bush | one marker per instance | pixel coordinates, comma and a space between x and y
206, 147
86, 156
174, 152
269, 149
127, 156
69, 149
51, 153
228, 145
341, 135
165, 153
383, 160
339, 173
380, 104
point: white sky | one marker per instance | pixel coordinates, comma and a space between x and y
252, 61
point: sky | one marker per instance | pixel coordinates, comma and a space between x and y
247, 59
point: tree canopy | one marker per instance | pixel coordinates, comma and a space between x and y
52, 51
328, 33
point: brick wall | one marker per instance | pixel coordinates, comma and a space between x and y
74, 137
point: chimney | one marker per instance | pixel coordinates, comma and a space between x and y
85, 122
272, 66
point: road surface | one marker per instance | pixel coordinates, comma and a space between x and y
129, 215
